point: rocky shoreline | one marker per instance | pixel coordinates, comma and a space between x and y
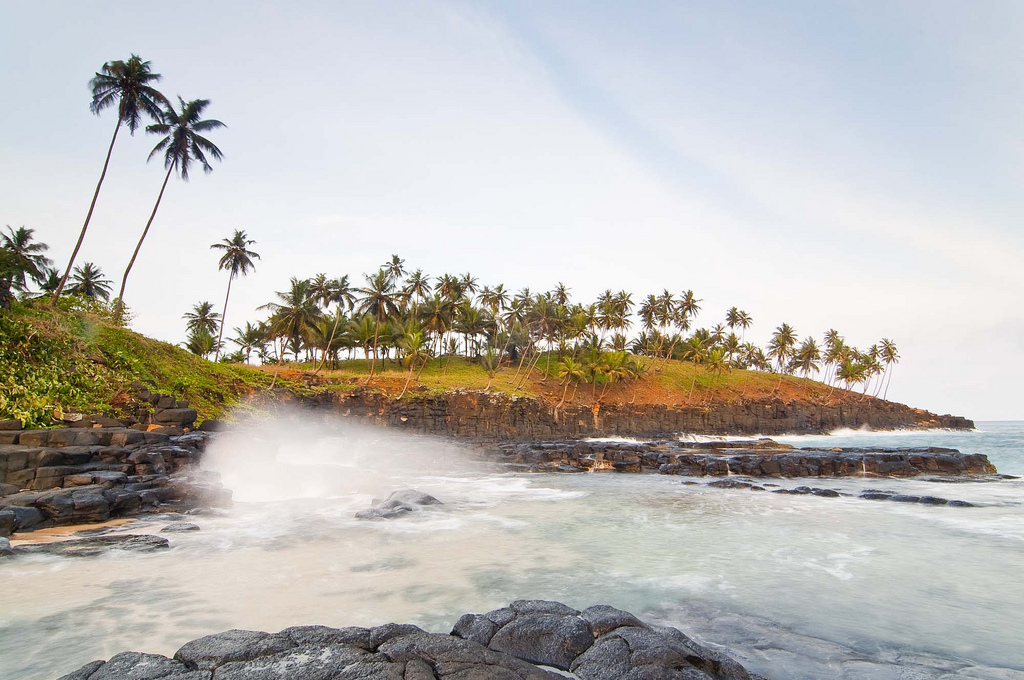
752, 458
527, 640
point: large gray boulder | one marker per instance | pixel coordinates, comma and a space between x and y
213, 651
548, 639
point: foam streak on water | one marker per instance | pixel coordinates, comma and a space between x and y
802, 586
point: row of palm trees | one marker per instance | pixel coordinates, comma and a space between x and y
412, 318
129, 86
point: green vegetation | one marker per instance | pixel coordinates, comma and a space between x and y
76, 358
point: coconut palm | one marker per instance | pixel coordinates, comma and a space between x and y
200, 342
380, 302
807, 357
338, 292
129, 85
88, 281
294, 315
417, 288
25, 257
414, 351
182, 146
202, 317
250, 338
238, 260
395, 267
890, 355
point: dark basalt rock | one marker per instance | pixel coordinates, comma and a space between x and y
599, 643
179, 527
399, 503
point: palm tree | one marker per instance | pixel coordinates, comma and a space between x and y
414, 350
238, 260
338, 292
250, 338
744, 321
395, 268
890, 356
25, 258
88, 281
200, 342
294, 315
182, 146
417, 287
807, 357
379, 301
202, 317
127, 84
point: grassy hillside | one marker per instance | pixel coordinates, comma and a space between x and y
667, 383
76, 358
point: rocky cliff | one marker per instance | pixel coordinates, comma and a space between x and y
497, 416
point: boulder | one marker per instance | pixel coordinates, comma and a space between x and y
212, 651
7, 522
10, 424
5, 547
549, 639
182, 417
399, 503
178, 527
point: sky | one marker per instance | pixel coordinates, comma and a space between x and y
848, 165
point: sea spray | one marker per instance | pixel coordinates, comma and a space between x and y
296, 455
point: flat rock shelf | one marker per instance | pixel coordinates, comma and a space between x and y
752, 458
527, 640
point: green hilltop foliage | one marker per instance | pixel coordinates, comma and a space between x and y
76, 358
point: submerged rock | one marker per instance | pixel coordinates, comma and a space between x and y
518, 642
179, 526
399, 503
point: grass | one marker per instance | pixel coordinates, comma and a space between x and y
74, 358
666, 382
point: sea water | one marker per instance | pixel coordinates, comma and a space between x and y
793, 586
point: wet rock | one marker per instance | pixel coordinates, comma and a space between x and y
7, 521
212, 651
548, 639
875, 495
90, 547
603, 619
961, 504
475, 627
553, 635
178, 527
5, 547
399, 503
84, 672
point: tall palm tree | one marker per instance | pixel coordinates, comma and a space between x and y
338, 292
25, 257
395, 267
380, 302
890, 355
182, 146
129, 85
238, 260
202, 318
88, 281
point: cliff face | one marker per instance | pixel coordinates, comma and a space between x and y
496, 416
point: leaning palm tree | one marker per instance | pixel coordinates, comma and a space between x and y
127, 84
88, 281
25, 258
380, 302
182, 146
238, 260
202, 318
890, 355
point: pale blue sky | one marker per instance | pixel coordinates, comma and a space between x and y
855, 165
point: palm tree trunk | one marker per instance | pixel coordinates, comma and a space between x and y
88, 217
885, 395
408, 379
223, 316
334, 330
373, 362
124, 280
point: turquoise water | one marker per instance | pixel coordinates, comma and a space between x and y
797, 587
